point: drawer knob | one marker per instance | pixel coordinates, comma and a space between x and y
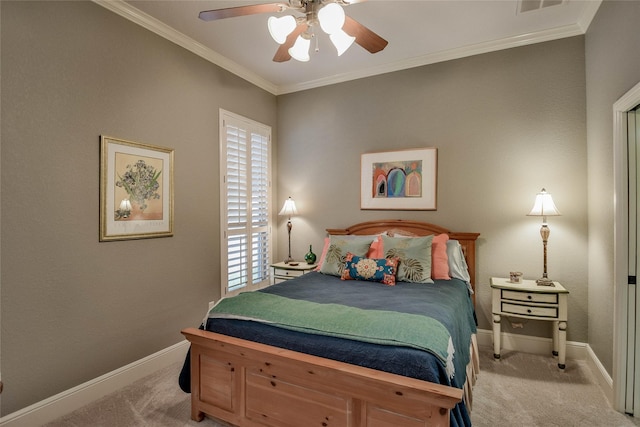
529, 296
528, 310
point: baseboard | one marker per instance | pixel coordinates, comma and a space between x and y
601, 374
77, 397
544, 346
68, 401
530, 344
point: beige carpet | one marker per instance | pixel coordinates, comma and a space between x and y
517, 390
526, 390
152, 401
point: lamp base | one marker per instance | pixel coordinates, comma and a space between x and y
288, 260
544, 282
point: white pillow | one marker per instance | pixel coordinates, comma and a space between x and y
457, 264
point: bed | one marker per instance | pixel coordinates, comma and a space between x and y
283, 371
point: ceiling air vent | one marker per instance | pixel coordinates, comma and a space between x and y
531, 5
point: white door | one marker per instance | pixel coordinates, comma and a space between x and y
626, 314
632, 387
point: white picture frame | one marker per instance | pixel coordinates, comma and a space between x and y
399, 180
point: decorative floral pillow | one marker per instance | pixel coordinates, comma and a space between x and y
415, 257
373, 270
337, 251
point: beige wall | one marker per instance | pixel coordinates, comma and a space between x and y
73, 308
505, 124
612, 69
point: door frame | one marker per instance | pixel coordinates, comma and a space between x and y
621, 243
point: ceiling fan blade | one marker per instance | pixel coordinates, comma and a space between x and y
231, 12
282, 54
364, 36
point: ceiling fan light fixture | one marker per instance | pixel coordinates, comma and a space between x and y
331, 18
342, 41
280, 28
300, 50
293, 33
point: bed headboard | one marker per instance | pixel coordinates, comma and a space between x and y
418, 228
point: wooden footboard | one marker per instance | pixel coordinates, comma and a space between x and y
251, 384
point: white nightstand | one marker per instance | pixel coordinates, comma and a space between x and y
529, 301
282, 271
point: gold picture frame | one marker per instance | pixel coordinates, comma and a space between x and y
399, 180
136, 190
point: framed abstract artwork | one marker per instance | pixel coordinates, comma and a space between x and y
399, 180
136, 190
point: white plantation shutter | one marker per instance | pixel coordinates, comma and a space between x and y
260, 240
246, 212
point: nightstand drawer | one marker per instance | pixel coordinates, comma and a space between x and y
288, 273
530, 297
527, 310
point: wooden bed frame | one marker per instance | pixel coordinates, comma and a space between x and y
251, 384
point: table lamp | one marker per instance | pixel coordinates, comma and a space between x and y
289, 209
544, 207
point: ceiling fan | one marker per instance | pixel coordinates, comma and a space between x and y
294, 33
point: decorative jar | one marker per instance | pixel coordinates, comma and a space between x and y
310, 257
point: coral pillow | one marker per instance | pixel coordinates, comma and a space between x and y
323, 255
439, 258
376, 250
373, 270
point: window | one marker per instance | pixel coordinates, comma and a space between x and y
245, 167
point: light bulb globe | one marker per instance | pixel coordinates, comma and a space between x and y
300, 50
342, 41
280, 28
331, 18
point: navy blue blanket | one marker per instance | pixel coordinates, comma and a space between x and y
447, 301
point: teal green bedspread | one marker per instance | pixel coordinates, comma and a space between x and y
374, 326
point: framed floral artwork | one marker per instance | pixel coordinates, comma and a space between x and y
136, 190
399, 180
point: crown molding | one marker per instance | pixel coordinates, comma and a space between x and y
446, 55
137, 16
588, 14
150, 23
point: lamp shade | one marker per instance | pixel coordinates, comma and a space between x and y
125, 205
544, 206
342, 41
289, 208
300, 50
331, 18
280, 28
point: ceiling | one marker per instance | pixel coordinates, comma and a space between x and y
419, 33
